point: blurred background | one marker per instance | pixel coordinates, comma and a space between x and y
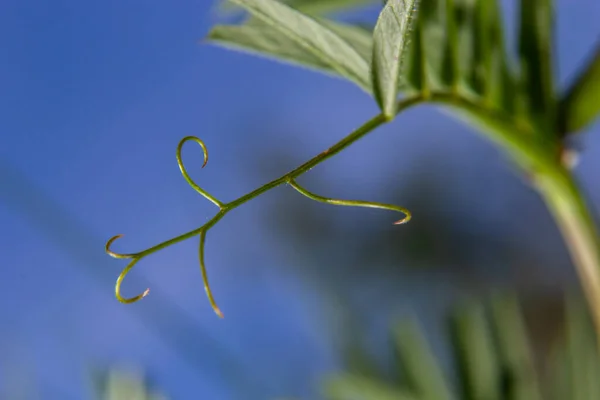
96, 96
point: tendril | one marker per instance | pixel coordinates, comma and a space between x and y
352, 203
185, 174
211, 299
134, 259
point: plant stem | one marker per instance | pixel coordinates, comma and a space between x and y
574, 218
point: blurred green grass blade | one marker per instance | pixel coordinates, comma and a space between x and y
535, 53
478, 364
579, 106
582, 352
125, 385
313, 37
390, 39
313, 7
514, 350
423, 376
356, 387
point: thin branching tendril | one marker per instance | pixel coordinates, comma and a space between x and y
224, 208
352, 203
134, 259
185, 174
211, 299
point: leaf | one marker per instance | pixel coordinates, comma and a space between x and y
266, 42
432, 15
257, 38
314, 7
359, 37
390, 39
478, 364
535, 52
514, 349
414, 67
313, 37
579, 106
423, 375
356, 387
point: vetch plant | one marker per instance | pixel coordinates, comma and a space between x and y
447, 52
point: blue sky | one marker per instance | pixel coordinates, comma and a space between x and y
96, 96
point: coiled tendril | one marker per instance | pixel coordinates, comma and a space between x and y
201, 232
224, 208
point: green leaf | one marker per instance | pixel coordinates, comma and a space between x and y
414, 67
535, 52
266, 42
432, 16
579, 106
478, 364
313, 37
260, 39
355, 387
315, 7
390, 39
514, 349
359, 37
424, 378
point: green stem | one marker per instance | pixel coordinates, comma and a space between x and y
576, 223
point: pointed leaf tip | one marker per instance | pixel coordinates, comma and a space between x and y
390, 40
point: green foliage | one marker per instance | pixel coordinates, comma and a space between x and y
312, 37
125, 384
448, 52
494, 358
313, 7
390, 38
579, 106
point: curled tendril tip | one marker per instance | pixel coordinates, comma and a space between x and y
187, 176
134, 259
112, 253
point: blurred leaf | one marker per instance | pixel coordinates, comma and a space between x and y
311, 36
125, 385
432, 24
314, 7
477, 360
583, 363
424, 377
521, 381
414, 67
579, 106
390, 39
535, 52
355, 387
